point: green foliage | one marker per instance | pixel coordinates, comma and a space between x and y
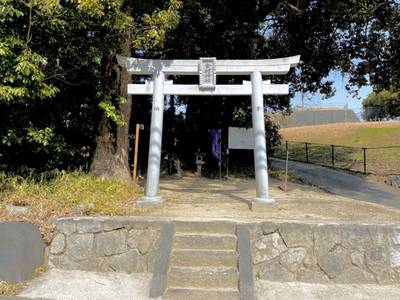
155, 26
57, 74
22, 73
8, 11
111, 110
382, 105
40, 136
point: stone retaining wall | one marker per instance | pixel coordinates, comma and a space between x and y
281, 250
326, 253
104, 244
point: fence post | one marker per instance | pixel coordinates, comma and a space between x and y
333, 155
286, 146
365, 160
307, 160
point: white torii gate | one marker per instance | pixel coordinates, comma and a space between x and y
207, 68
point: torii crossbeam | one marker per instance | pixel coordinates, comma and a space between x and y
207, 68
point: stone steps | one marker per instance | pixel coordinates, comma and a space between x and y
205, 227
204, 241
203, 277
203, 262
202, 294
199, 258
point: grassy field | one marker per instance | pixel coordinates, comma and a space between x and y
361, 134
350, 138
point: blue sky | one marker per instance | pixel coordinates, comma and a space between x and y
341, 98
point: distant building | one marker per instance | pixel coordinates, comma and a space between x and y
315, 116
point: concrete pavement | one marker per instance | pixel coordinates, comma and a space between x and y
300, 290
342, 183
74, 285
82, 285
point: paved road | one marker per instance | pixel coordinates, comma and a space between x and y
342, 183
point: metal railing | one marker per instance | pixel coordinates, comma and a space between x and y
367, 160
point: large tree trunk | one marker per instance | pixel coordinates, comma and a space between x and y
111, 158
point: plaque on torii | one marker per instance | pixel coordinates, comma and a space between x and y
207, 68
207, 73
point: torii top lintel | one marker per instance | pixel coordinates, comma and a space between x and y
275, 66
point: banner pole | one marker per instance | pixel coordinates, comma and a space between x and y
220, 154
135, 158
227, 162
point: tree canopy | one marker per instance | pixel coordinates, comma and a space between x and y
354, 37
60, 85
382, 105
57, 62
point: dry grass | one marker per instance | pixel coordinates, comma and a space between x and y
360, 134
354, 137
67, 194
10, 289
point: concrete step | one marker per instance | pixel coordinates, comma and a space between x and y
205, 227
202, 294
203, 277
199, 258
20, 298
205, 241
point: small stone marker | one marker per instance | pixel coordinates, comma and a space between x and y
21, 251
199, 162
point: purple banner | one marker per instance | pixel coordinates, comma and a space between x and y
216, 143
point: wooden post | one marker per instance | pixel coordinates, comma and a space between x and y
136, 152
333, 156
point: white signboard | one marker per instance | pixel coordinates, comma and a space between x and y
240, 138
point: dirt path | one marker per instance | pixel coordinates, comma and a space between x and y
205, 198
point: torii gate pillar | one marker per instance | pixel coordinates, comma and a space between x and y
260, 145
207, 69
156, 128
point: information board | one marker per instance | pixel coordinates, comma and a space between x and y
240, 138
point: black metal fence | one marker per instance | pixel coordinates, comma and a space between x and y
367, 160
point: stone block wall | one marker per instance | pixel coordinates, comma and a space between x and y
314, 252
326, 253
121, 244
